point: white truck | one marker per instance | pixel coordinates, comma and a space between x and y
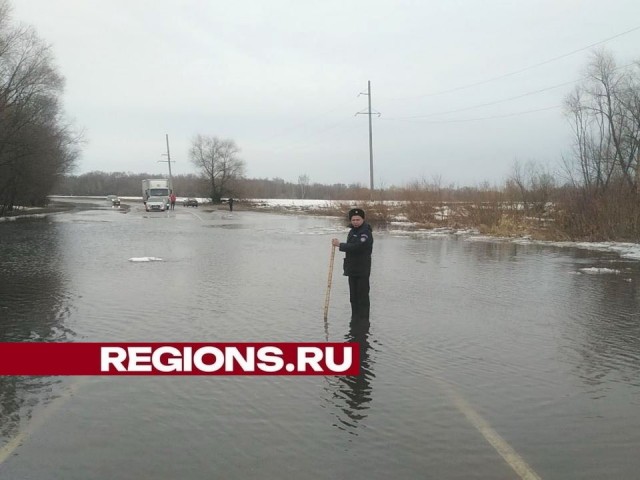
155, 194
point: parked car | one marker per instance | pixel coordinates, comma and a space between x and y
190, 202
114, 200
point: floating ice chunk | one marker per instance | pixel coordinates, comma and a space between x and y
596, 270
145, 259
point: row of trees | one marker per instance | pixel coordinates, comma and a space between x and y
191, 185
126, 184
604, 165
37, 147
604, 112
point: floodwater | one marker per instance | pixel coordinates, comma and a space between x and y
483, 359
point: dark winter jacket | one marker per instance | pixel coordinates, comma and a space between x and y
357, 261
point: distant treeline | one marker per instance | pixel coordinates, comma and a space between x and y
190, 185
125, 184
531, 186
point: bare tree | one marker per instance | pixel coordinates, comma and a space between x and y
604, 115
631, 102
604, 164
303, 182
518, 180
218, 161
534, 184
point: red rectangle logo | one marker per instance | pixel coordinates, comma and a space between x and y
179, 358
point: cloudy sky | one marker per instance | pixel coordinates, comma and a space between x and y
464, 88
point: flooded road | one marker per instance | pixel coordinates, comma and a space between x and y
482, 360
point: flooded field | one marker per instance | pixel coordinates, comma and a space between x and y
483, 359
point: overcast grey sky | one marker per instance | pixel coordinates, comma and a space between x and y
282, 79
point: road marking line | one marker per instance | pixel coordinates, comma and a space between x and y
196, 215
515, 461
12, 445
36, 422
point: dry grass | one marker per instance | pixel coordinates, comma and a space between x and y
490, 218
377, 213
573, 215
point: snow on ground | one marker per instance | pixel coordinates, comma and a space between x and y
30, 215
145, 259
294, 203
596, 270
627, 250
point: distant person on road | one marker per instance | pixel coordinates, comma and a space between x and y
230, 204
357, 263
172, 198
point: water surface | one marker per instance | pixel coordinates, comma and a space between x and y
546, 355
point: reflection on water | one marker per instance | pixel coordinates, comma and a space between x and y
34, 305
351, 395
606, 336
34, 301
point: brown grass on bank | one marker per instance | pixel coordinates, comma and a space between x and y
376, 213
571, 214
595, 216
489, 218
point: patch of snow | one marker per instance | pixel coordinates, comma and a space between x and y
625, 250
597, 271
16, 217
145, 259
289, 202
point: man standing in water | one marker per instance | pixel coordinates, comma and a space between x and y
357, 263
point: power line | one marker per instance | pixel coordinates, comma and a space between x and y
317, 134
307, 122
503, 100
495, 102
515, 114
515, 72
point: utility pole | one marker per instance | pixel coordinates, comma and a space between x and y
369, 112
168, 160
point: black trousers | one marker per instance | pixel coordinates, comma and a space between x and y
359, 297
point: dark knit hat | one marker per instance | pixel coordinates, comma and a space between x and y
356, 211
